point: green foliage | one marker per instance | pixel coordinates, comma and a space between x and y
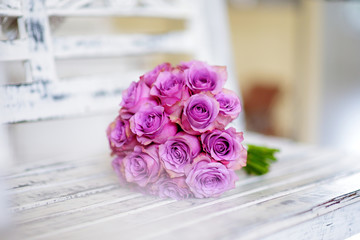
259, 159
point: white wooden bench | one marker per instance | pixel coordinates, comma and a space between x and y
310, 193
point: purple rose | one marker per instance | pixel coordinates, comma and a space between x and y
151, 124
150, 77
209, 179
230, 106
134, 97
174, 188
202, 77
142, 166
178, 152
199, 114
185, 65
225, 146
169, 87
120, 136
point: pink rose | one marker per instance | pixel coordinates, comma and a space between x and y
209, 179
169, 87
230, 107
150, 77
151, 124
142, 166
185, 65
202, 77
199, 114
178, 152
225, 146
120, 136
174, 188
135, 96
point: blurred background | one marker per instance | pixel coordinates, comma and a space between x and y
298, 67
297, 63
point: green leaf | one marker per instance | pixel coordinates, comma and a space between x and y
259, 159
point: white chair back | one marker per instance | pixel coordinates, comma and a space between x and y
43, 94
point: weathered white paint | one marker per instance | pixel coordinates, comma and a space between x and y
36, 22
10, 8
122, 45
310, 193
104, 46
41, 99
167, 12
15, 50
177, 9
10, 13
70, 97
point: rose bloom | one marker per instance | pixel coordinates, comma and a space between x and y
151, 124
230, 106
174, 188
208, 178
178, 152
142, 166
150, 77
134, 97
225, 146
203, 77
120, 136
199, 114
169, 87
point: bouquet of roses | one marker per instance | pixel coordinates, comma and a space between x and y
170, 137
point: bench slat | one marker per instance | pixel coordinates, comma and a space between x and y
157, 12
191, 211
305, 184
188, 211
45, 100
15, 50
159, 9
123, 45
10, 8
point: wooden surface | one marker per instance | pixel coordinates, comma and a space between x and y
310, 193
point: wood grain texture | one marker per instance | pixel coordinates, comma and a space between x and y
70, 97
157, 12
176, 9
122, 45
309, 190
34, 25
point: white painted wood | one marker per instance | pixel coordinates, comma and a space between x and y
10, 8
310, 193
9, 13
70, 97
104, 46
40, 100
122, 45
176, 9
15, 50
170, 12
36, 22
